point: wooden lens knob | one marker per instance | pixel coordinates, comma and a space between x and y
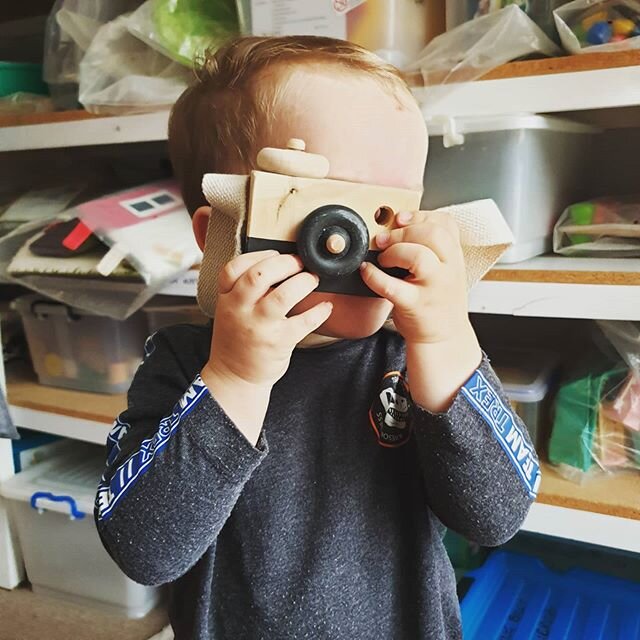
336, 244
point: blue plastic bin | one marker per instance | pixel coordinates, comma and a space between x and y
516, 597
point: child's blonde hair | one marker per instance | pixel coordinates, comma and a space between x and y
220, 122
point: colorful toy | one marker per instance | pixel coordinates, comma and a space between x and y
589, 21
599, 33
610, 23
623, 27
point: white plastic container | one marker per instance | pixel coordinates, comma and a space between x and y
527, 378
63, 554
532, 166
78, 350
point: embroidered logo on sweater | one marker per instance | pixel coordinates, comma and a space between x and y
390, 412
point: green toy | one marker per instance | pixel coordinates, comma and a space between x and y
581, 213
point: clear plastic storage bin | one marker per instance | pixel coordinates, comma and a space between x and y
532, 166
527, 378
159, 316
78, 350
52, 505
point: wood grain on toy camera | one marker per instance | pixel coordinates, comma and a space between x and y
279, 203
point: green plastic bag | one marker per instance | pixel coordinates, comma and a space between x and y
576, 411
184, 29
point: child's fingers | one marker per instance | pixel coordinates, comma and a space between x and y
400, 293
285, 296
434, 235
301, 325
256, 281
419, 260
236, 267
406, 218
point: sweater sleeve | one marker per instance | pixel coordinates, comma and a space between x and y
176, 466
480, 468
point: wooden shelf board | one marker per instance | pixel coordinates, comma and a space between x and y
22, 120
553, 66
616, 494
565, 64
563, 270
25, 392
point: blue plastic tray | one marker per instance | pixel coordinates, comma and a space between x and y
516, 597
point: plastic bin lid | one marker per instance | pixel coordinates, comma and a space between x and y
438, 126
517, 596
40, 306
525, 374
66, 484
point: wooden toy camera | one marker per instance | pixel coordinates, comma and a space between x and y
330, 224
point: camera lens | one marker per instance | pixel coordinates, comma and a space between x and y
333, 241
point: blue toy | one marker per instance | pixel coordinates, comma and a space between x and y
599, 33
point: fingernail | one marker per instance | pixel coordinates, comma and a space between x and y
364, 266
382, 239
405, 216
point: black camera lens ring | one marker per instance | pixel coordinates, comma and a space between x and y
330, 221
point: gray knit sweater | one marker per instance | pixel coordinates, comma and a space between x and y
331, 527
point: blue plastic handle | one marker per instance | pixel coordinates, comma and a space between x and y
75, 513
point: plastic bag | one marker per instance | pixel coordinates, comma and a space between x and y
540, 11
597, 410
121, 74
22, 103
184, 29
595, 26
7, 428
474, 48
149, 241
605, 227
70, 28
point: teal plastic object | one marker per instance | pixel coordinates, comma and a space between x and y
517, 597
21, 77
186, 28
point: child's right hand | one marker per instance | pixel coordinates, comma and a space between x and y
253, 337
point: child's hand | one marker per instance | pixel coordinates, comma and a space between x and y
252, 336
430, 305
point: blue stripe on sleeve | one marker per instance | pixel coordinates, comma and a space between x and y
126, 475
484, 399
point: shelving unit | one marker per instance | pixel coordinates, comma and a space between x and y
63, 412
595, 87
604, 511
569, 84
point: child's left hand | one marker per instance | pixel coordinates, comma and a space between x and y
430, 305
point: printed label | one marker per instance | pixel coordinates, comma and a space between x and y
390, 413
484, 399
125, 476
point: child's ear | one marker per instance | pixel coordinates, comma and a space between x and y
200, 222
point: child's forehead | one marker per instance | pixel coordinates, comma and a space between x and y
370, 132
